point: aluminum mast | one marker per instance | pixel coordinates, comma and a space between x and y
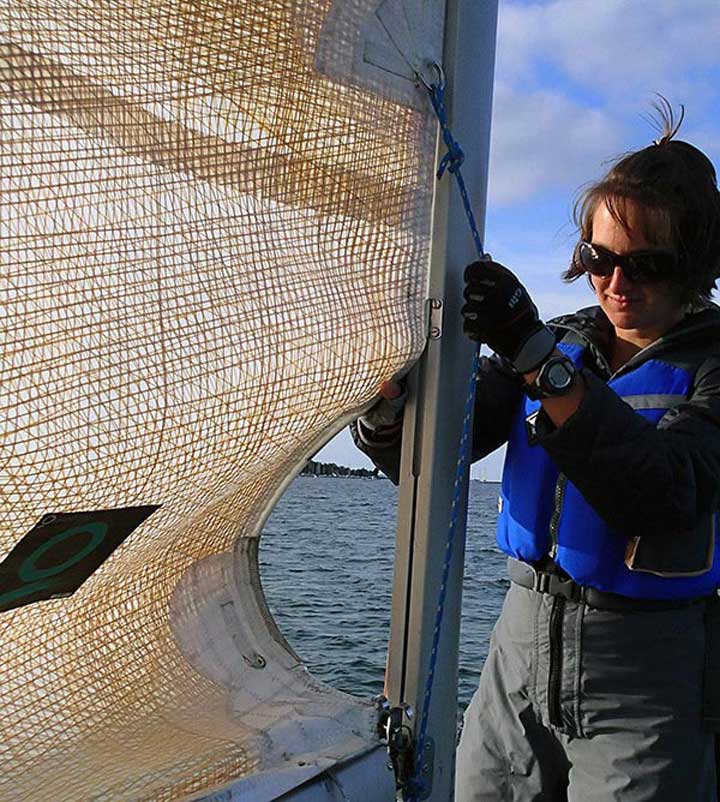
434, 413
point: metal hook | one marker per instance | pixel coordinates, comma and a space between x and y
421, 79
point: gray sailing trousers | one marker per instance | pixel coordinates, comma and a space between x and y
626, 692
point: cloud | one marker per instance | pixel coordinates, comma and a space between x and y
573, 78
544, 140
618, 49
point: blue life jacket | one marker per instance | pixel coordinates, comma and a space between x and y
542, 513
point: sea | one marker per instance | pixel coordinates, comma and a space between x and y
326, 561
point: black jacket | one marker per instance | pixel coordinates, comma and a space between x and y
641, 479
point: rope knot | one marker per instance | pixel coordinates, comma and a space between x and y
452, 160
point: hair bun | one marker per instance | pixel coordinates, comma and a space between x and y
665, 122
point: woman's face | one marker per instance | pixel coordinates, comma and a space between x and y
640, 312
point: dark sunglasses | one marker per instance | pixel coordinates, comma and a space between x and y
638, 266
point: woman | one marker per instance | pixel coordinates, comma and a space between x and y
593, 686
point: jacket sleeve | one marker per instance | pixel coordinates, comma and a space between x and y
383, 451
497, 395
641, 479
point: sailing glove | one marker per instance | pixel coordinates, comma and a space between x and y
385, 413
381, 425
498, 311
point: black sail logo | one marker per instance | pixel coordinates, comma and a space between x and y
61, 551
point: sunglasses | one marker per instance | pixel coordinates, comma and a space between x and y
638, 266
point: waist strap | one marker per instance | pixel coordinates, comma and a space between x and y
555, 584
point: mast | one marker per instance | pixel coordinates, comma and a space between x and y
434, 413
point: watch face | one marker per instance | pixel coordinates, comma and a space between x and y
558, 376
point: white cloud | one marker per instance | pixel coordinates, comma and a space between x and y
573, 77
617, 48
545, 140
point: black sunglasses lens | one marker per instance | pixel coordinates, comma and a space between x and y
650, 266
639, 266
597, 262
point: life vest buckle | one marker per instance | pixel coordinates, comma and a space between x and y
567, 588
557, 585
542, 581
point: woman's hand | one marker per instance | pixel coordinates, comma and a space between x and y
386, 415
391, 390
498, 311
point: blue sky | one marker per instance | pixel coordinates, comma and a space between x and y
573, 80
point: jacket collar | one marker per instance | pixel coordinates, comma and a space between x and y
591, 328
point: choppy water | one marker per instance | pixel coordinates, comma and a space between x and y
326, 559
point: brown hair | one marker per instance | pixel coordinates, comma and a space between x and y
674, 186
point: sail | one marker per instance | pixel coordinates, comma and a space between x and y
214, 238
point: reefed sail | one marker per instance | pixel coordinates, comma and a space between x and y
214, 235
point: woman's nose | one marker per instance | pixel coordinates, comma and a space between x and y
618, 281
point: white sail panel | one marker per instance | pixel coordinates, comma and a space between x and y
383, 45
211, 254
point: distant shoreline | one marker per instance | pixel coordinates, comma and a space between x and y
331, 470
334, 471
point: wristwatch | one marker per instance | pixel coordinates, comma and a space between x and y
556, 377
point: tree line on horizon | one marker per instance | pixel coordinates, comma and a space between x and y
314, 468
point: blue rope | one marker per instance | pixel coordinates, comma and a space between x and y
453, 159
452, 162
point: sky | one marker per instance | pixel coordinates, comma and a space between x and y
574, 83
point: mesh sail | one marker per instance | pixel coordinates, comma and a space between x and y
212, 252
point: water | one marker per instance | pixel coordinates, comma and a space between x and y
326, 560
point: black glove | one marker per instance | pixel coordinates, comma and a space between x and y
499, 311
